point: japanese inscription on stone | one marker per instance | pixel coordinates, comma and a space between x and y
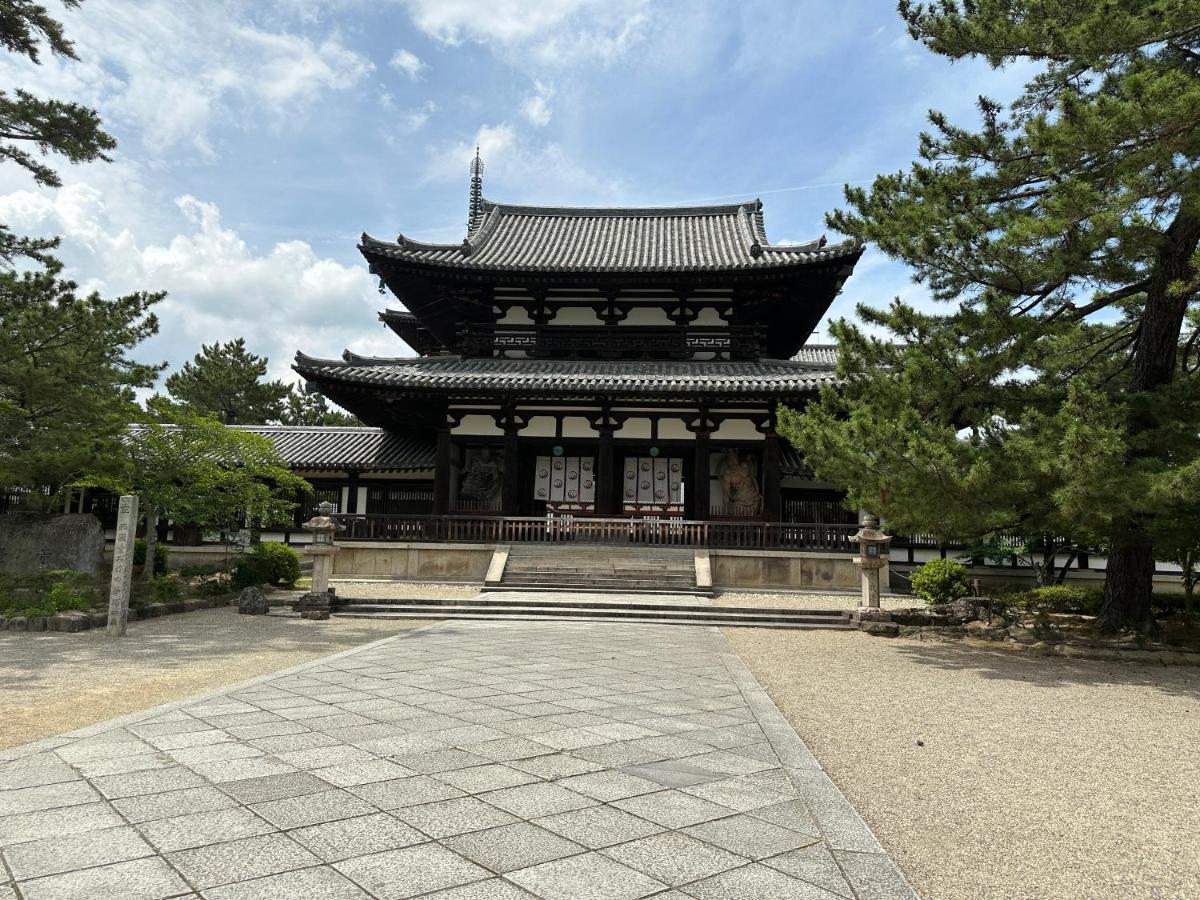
122, 570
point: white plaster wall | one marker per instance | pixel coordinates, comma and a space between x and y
673, 430
515, 315
645, 315
634, 429
361, 504
577, 427
737, 430
539, 426
478, 426
575, 315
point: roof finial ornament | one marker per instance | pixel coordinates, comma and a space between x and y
475, 212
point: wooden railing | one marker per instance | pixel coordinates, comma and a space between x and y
595, 530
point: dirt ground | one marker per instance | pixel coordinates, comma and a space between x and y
988, 774
52, 682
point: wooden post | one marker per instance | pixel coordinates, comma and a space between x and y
441, 474
604, 471
772, 486
352, 493
122, 568
701, 497
511, 496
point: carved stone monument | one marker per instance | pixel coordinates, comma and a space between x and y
317, 602
30, 542
872, 558
122, 568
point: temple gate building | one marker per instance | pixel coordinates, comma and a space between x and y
584, 365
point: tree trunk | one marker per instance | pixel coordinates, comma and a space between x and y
1129, 576
151, 543
1128, 580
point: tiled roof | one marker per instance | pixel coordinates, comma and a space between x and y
580, 239
449, 374
817, 355
365, 449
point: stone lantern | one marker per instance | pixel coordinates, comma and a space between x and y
317, 602
872, 558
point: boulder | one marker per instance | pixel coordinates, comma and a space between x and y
315, 605
871, 614
881, 629
985, 631
71, 622
962, 609
30, 542
252, 602
1022, 635
18, 623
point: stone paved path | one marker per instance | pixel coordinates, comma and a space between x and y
464, 760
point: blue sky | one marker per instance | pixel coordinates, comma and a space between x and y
257, 140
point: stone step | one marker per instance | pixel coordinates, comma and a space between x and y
629, 614
486, 602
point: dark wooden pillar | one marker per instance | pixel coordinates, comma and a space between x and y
441, 473
605, 471
701, 499
352, 493
511, 493
772, 479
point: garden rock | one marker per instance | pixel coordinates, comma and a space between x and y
18, 623
71, 622
252, 602
881, 629
869, 614
985, 631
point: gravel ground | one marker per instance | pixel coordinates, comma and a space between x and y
1037, 778
58, 682
383, 589
807, 600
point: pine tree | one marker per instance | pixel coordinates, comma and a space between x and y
224, 381
1064, 230
32, 127
310, 408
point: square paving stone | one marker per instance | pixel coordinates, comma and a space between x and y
673, 773
324, 883
750, 837
154, 781
673, 858
312, 809
287, 743
730, 763
510, 748
456, 816
275, 787
841, 826
53, 855
241, 860
44, 823
757, 881
172, 803
191, 739
511, 847
320, 757
747, 793
556, 765
405, 791
672, 809
410, 871
531, 800
608, 785
873, 876
598, 826
815, 865
139, 762
43, 768
492, 889
222, 770
351, 774
190, 756
791, 814
148, 878
198, 829
568, 739
335, 841
46, 796
486, 778
588, 876
438, 760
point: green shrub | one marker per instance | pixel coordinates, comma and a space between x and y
35, 612
199, 571
166, 589
214, 587
160, 555
283, 563
62, 597
1062, 598
940, 581
251, 570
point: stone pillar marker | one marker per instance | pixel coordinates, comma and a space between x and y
122, 567
317, 602
872, 558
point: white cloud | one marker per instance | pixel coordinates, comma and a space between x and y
281, 299
171, 71
416, 118
553, 32
536, 106
408, 62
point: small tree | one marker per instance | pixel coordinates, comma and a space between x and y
66, 379
196, 471
224, 382
309, 408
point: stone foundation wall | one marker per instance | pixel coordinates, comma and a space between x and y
749, 569
413, 561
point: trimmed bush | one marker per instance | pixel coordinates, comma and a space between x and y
283, 563
940, 581
251, 571
61, 598
1062, 598
160, 555
166, 589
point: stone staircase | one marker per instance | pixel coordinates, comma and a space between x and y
597, 569
660, 609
